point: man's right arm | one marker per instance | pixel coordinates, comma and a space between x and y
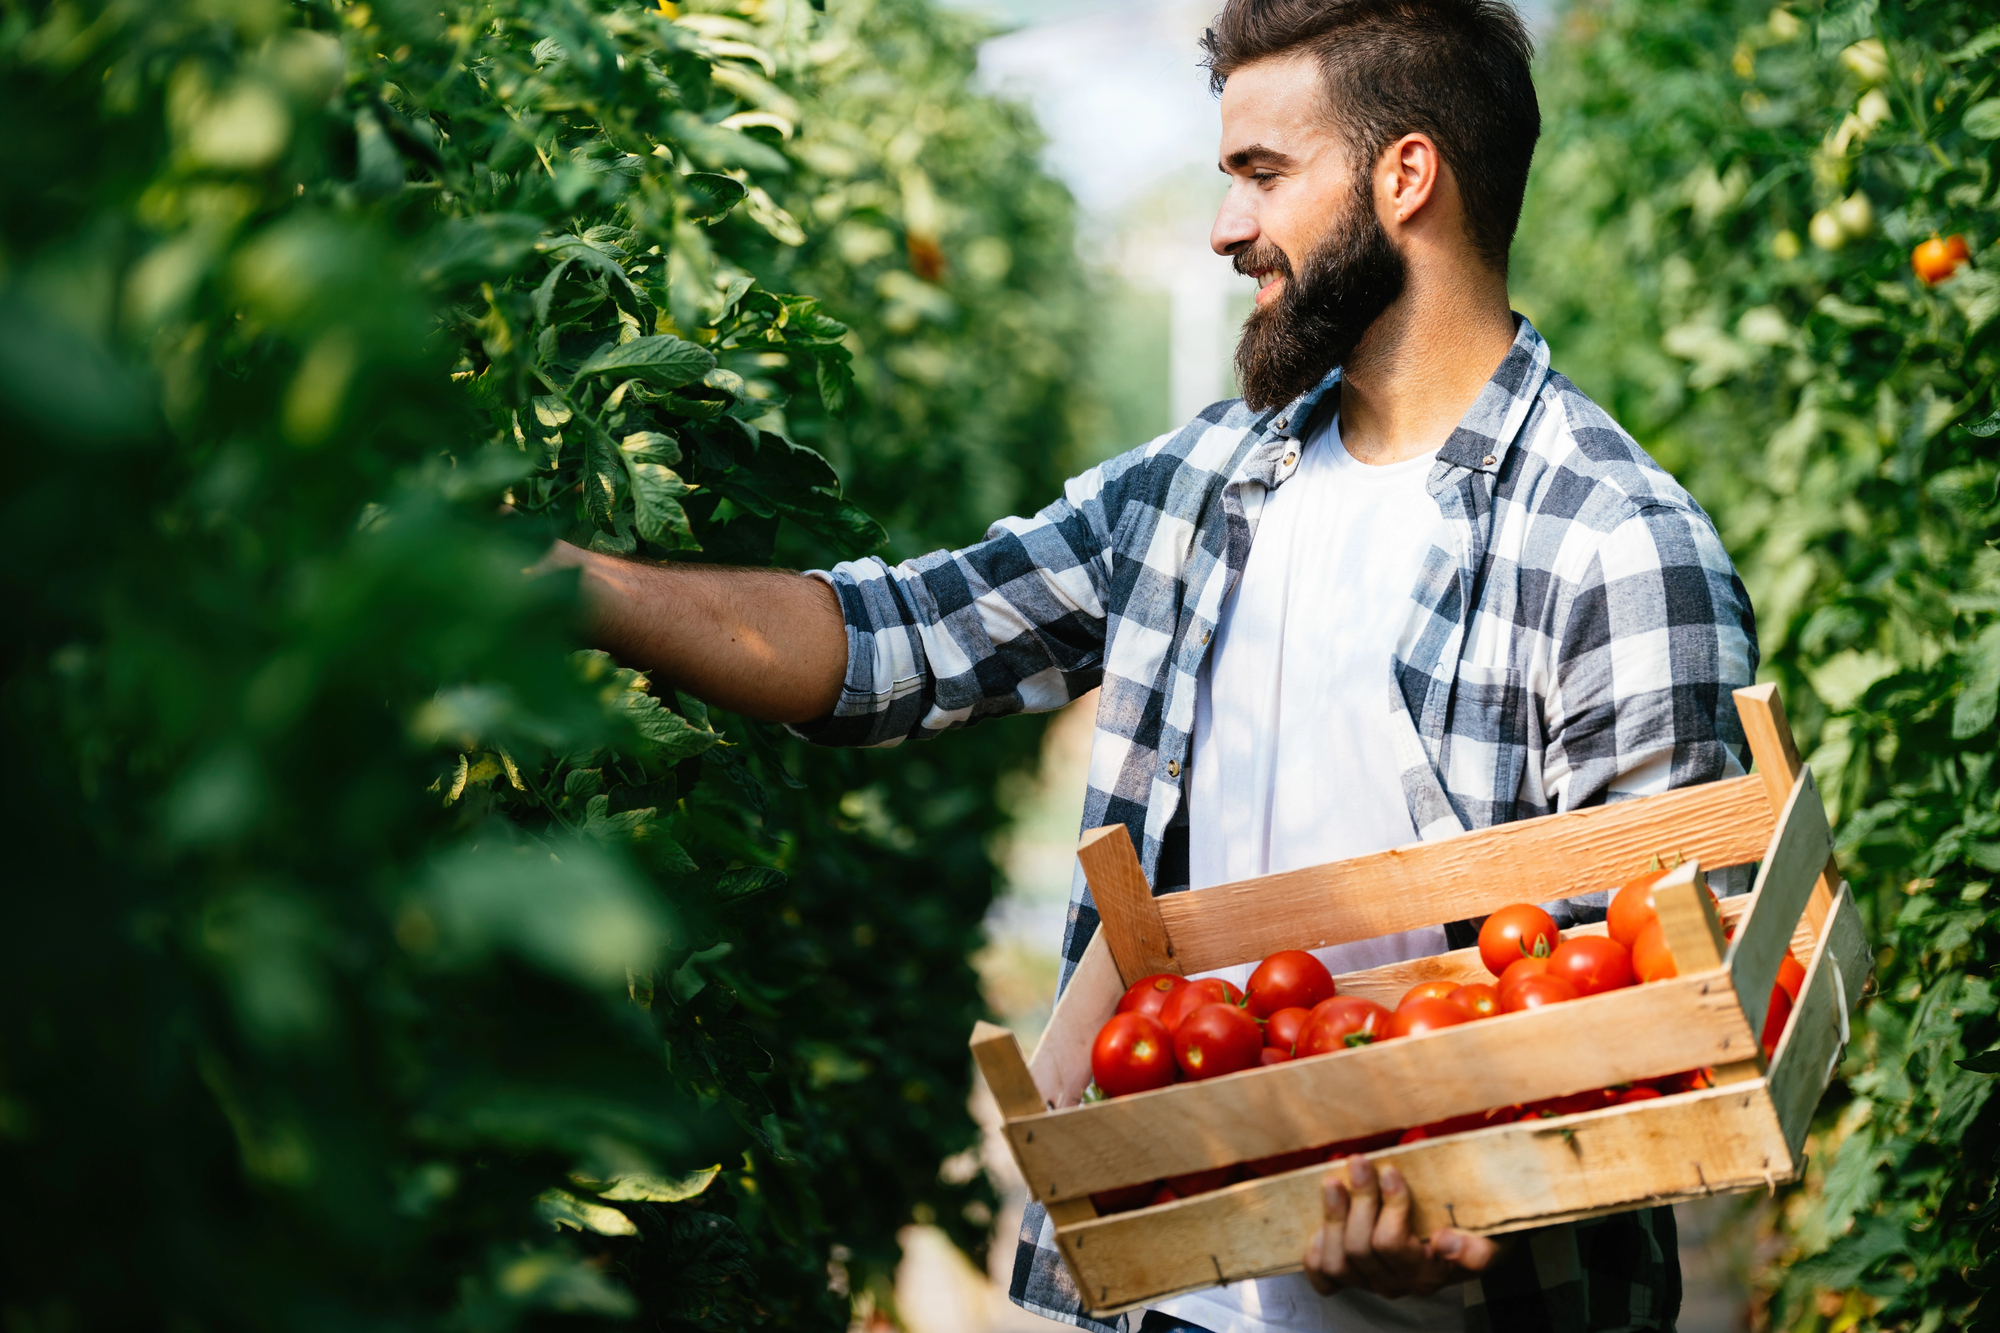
761, 642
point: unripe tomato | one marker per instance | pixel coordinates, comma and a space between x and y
1532, 992
1192, 996
1427, 990
1288, 979
1791, 976
1132, 1053
1478, 1000
1416, 1017
1592, 963
1149, 995
1938, 258
1217, 1039
1520, 931
1651, 959
1344, 1021
1282, 1029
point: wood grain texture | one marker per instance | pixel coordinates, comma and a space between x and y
1128, 916
1785, 882
1722, 823
1799, 1074
1014, 1091
1769, 732
1639, 1032
1716, 1141
1061, 1063
1693, 928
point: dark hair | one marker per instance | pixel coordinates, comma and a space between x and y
1456, 70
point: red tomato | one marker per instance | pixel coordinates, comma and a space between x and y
1791, 976
1651, 959
1282, 1029
1775, 1017
1574, 1104
1131, 1054
1430, 1014
1534, 992
1343, 1021
1479, 1000
1520, 970
1592, 963
1124, 1200
1520, 931
1192, 996
1685, 1081
1149, 995
1428, 990
1458, 1124
1284, 1161
1217, 1039
1638, 1093
1200, 1182
1938, 258
1288, 979
1632, 907
1164, 1194
1273, 1055
1371, 1143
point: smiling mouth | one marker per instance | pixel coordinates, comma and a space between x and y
1268, 281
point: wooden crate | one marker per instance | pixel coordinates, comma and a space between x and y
1743, 1133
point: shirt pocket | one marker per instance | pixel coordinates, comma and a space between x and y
1485, 747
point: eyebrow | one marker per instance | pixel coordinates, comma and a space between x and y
1255, 155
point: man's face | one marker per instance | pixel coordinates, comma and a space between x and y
1300, 219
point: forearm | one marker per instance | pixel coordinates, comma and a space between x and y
765, 643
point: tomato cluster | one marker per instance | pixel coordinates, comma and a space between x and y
1168, 1029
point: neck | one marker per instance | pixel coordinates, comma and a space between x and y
1422, 364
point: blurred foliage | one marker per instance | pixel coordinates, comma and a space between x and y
1718, 246
374, 957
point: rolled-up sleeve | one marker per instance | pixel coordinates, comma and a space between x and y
1015, 624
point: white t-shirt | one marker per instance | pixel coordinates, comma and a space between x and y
1294, 765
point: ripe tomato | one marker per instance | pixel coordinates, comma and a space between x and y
1632, 907
1343, 1021
1125, 1199
1939, 257
1520, 931
1282, 1029
1149, 995
1164, 1194
1416, 1017
1217, 1039
1479, 1000
1651, 959
1200, 1182
1427, 990
1535, 991
1791, 976
1370, 1143
1192, 996
1592, 963
1518, 971
1458, 1124
1131, 1054
1775, 1017
1288, 979
1573, 1104
1637, 1093
1273, 1055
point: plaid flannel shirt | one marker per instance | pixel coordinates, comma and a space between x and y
1574, 639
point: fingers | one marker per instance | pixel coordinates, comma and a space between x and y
1392, 1227
1326, 1252
1463, 1251
1364, 1191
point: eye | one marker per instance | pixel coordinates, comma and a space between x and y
1263, 177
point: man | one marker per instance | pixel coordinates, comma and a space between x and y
1412, 583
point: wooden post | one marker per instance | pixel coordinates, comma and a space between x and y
1694, 937
1014, 1090
1126, 912
1777, 754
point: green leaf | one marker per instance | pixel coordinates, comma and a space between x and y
469, 249
1982, 119
1979, 697
659, 359
747, 881
1977, 47
651, 446
641, 1187
560, 1208
656, 492
1986, 1062
711, 195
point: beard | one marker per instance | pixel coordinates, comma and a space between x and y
1349, 279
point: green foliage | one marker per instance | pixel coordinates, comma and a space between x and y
1718, 245
374, 957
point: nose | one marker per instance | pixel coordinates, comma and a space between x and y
1235, 225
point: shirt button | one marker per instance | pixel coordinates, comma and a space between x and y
1283, 422
1173, 768
1489, 460
1205, 634
1293, 458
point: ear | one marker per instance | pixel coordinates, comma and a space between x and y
1406, 177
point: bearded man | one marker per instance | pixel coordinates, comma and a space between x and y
1411, 583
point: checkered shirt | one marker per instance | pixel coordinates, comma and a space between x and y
1572, 638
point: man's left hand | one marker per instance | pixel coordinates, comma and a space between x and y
1365, 1241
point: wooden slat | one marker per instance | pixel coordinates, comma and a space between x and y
1061, 1063
1641, 1032
1014, 1091
1805, 1054
1784, 884
1128, 916
1715, 1141
1694, 937
1558, 856
1769, 732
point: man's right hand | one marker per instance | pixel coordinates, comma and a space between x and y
1365, 1240
767, 643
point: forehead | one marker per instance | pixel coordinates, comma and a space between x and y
1280, 105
